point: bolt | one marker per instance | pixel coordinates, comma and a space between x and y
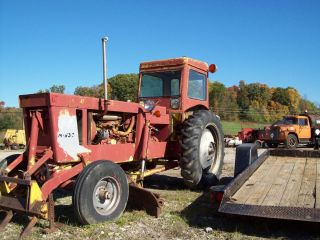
107, 195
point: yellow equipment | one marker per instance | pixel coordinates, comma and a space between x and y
14, 139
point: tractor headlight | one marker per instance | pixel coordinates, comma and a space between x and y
175, 103
149, 105
317, 132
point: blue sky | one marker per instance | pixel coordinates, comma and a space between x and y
276, 42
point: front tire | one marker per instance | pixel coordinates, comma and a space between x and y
101, 193
202, 147
292, 141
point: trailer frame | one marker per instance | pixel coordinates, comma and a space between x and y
228, 206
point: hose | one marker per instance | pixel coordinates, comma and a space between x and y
124, 133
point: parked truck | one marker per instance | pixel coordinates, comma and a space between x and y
105, 147
292, 131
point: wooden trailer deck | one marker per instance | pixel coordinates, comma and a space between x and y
274, 186
283, 181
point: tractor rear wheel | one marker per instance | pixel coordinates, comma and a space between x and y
202, 148
101, 192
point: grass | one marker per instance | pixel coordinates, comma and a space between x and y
2, 133
233, 127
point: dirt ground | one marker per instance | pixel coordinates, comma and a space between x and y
186, 215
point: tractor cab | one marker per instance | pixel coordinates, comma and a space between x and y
179, 84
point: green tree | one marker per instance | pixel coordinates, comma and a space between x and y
120, 87
243, 99
10, 117
57, 88
95, 91
258, 92
217, 93
280, 96
223, 101
124, 87
258, 112
289, 97
54, 89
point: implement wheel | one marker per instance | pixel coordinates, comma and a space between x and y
202, 148
101, 193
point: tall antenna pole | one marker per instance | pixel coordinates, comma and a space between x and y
104, 59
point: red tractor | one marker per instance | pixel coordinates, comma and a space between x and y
102, 148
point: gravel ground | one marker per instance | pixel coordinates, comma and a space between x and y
186, 215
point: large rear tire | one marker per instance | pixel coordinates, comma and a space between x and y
202, 148
101, 193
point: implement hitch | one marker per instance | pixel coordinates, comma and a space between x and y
142, 199
28, 181
29, 203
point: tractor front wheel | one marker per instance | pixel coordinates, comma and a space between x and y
101, 193
202, 148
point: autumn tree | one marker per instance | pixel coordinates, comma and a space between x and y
294, 99
277, 110
306, 105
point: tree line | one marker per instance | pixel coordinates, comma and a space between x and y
10, 117
257, 102
254, 102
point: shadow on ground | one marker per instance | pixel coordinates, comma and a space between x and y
64, 211
164, 182
202, 213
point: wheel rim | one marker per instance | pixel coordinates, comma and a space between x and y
292, 142
208, 149
106, 196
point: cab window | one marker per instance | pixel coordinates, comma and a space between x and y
197, 85
160, 84
303, 122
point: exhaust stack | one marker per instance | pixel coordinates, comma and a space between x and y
104, 60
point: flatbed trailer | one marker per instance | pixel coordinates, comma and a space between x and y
279, 184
